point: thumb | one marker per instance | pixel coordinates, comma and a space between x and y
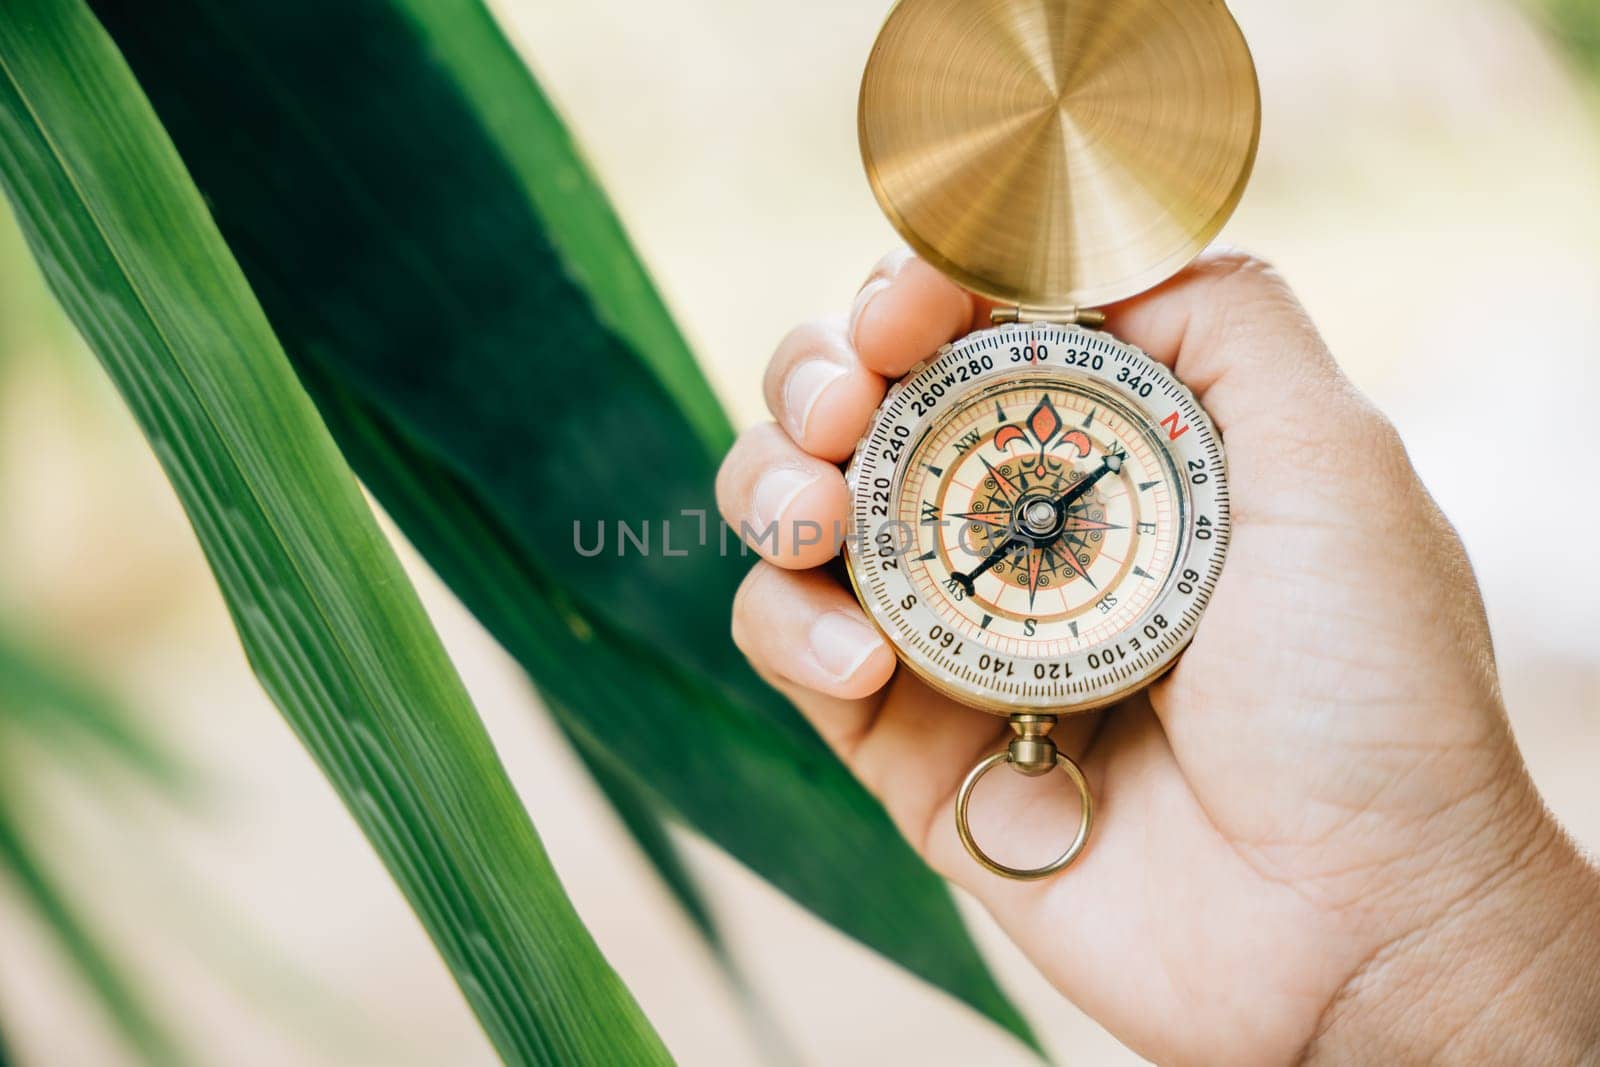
1232, 330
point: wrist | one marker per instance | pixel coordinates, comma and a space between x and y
1509, 971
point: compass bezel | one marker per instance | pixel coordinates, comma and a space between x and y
1099, 674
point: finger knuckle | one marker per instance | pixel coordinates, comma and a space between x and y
745, 601
1390, 482
739, 465
806, 337
758, 443
1248, 277
809, 340
723, 486
1237, 263
891, 263
1389, 447
763, 606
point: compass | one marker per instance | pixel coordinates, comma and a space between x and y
1040, 511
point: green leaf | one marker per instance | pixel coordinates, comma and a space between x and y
29, 322
119, 998
44, 695
329, 621
448, 280
1575, 25
562, 646
577, 218
640, 816
786, 808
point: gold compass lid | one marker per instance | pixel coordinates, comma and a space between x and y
1059, 153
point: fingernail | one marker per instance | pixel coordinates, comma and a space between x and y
841, 643
863, 305
805, 387
775, 491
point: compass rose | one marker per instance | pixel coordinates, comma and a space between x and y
1044, 525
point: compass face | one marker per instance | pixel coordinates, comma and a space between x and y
1039, 516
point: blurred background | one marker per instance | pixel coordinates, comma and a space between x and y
1430, 181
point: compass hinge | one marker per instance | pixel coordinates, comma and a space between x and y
1072, 316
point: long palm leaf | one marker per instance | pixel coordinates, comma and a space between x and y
456, 294
329, 621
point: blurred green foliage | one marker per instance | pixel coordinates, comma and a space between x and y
45, 694
52, 707
48, 702
116, 993
1575, 24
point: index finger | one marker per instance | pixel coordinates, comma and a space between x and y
906, 311
827, 378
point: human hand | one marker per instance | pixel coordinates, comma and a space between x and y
1315, 838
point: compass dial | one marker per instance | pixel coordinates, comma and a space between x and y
1039, 515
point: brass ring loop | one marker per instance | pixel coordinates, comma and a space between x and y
1085, 822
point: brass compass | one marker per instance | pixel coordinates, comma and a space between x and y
1041, 510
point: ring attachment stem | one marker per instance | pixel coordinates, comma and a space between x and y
1031, 753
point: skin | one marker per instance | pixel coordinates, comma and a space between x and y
1315, 838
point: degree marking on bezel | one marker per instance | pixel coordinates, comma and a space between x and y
1100, 684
